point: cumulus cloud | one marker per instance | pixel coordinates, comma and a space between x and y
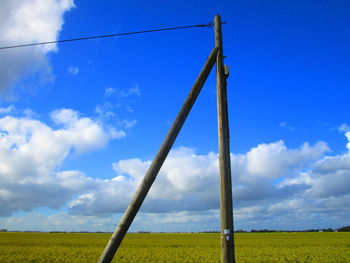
330, 177
274, 159
348, 137
189, 181
344, 128
30, 151
272, 184
182, 184
28, 22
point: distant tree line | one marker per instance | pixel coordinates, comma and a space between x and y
341, 229
344, 229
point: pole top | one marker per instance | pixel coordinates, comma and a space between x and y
217, 20
218, 34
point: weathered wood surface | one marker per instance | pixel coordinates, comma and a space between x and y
226, 209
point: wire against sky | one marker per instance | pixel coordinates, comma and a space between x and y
210, 24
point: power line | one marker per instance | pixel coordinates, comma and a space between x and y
210, 24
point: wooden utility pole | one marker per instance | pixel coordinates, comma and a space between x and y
157, 163
226, 210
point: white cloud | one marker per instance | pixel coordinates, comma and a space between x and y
134, 91
190, 182
283, 124
172, 191
118, 99
331, 176
127, 124
332, 184
124, 93
348, 137
344, 128
83, 133
272, 184
8, 109
286, 126
73, 70
185, 221
36, 221
177, 221
29, 113
28, 22
31, 151
275, 160
109, 91
107, 111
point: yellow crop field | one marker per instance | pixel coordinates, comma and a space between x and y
250, 247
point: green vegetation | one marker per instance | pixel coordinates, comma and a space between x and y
250, 247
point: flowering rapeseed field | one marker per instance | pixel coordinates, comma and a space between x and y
250, 247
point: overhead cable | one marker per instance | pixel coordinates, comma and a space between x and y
210, 24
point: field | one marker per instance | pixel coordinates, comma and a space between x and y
250, 247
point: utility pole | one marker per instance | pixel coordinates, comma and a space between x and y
135, 204
226, 210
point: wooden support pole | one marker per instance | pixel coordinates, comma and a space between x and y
157, 163
226, 210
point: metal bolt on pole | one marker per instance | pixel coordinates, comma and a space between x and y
226, 209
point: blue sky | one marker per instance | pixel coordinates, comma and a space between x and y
80, 122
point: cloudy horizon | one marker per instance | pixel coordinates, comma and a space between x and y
272, 184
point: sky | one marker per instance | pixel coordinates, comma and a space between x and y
80, 122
